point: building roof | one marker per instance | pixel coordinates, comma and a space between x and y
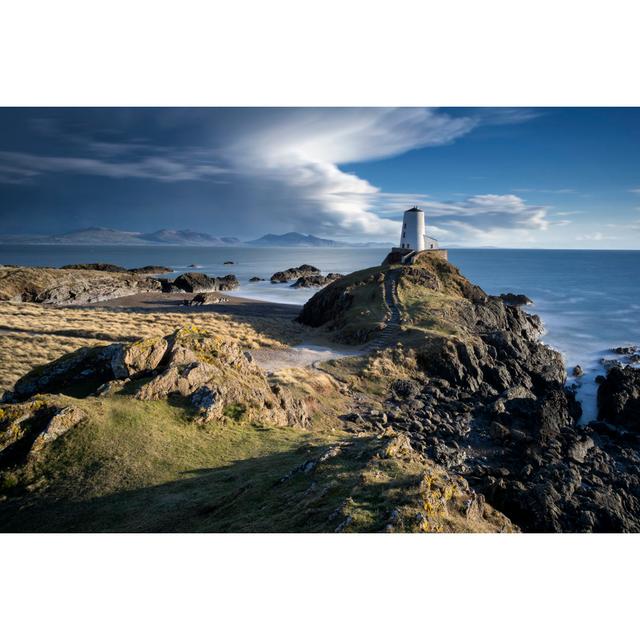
413, 210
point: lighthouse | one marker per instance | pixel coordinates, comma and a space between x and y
412, 235
413, 240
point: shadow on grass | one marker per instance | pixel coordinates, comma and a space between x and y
253, 495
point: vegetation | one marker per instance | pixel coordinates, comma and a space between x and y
32, 334
145, 466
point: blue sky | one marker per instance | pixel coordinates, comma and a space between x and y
543, 177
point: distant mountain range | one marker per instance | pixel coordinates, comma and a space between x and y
295, 240
183, 237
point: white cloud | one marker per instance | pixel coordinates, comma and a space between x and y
281, 169
22, 167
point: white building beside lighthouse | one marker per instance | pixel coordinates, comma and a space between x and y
413, 236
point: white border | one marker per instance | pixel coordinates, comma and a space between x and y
346, 52
329, 53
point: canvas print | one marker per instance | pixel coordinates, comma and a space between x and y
328, 320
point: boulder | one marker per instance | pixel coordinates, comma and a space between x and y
294, 273
87, 367
195, 282
619, 398
256, 279
134, 359
63, 420
227, 283
168, 286
315, 281
200, 282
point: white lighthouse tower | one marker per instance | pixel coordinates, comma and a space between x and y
414, 241
412, 234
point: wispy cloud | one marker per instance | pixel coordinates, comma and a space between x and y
24, 167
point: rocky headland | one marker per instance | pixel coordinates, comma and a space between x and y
71, 286
453, 416
83, 284
465, 377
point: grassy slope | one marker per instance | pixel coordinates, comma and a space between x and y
144, 466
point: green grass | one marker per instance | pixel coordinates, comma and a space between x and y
143, 466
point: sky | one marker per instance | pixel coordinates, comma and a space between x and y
504, 177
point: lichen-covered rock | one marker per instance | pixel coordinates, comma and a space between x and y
138, 357
63, 420
86, 366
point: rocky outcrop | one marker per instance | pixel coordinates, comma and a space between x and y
619, 398
315, 281
353, 306
96, 266
70, 286
194, 282
483, 398
515, 299
256, 279
213, 374
294, 273
503, 420
135, 359
151, 269
26, 428
88, 367
114, 268
61, 421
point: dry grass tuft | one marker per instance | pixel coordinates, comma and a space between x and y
32, 335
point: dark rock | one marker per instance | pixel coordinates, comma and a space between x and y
577, 371
151, 270
96, 266
227, 283
195, 282
628, 350
168, 286
619, 397
256, 279
294, 273
515, 299
228, 262
200, 282
315, 281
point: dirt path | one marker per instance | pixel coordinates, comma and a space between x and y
302, 356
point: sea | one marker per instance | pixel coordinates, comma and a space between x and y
589, 301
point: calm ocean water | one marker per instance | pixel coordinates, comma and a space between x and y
589, 300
